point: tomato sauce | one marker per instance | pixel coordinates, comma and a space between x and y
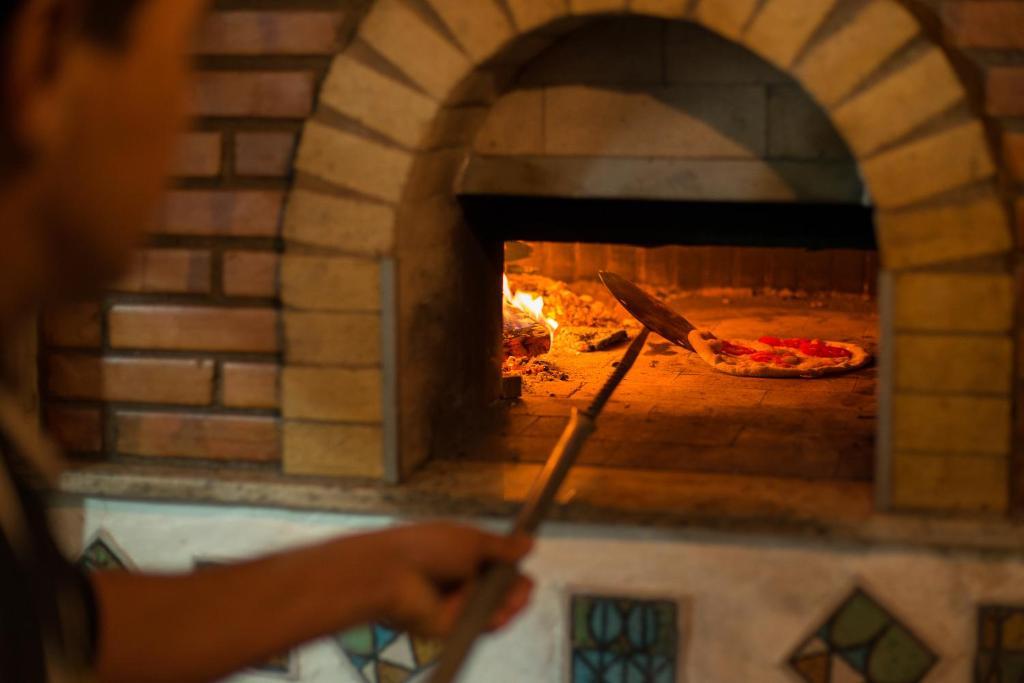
809, 347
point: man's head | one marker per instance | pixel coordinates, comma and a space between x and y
94, 93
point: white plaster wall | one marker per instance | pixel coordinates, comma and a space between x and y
747, 601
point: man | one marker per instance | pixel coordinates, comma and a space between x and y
94, 92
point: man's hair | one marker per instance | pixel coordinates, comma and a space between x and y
104, 21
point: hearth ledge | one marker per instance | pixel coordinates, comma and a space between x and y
837, 512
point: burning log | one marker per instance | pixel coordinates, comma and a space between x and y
522, 335
604, 341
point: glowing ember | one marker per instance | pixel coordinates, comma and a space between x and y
529, 304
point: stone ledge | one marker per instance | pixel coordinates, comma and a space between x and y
839, 513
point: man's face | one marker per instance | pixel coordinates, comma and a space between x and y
105, 170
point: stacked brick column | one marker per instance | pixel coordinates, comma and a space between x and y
991, 35
182, 359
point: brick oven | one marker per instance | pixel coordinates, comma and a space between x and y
323, 295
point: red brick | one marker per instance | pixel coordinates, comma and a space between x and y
261, 94
264, 154
250, 273
250, 385
1013, 152
270, 32
172, 271
79, 430
76, 326
194, 328
199, 155
143, 380
210, 437
1005, 91
232, 213
997, 24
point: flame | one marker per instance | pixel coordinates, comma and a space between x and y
529, 304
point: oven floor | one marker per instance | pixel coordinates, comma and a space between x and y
674, 412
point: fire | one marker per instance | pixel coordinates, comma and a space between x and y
532, 305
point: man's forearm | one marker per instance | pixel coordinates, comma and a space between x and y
200, 627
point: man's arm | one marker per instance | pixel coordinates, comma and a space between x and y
203, 626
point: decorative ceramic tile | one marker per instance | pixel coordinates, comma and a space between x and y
383, 655
1000, 645
623, 640
862, 643
102, 553
285, 664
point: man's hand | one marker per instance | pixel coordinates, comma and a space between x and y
430, 570
200, 627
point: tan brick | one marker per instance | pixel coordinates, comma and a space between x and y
833, 68
333, 450
250, 273
260, 94
264, 154
952, 424
205, 436
727, 17
924, 168
1013, 152
291, 32
249, 385
228, 213
996, 24
481, 27
75, 326
349, 225
964, 364
142, 380
950, 483
670, 9
401, 36
782, 28
1004, 86
596, 6
669, 121
378, 102
953, 302
330, 284
531, 14
947, 232
514, 125
331, 394
353, 162
78, 430
899, 103
170, 271
193, 328
351, 339
199, 155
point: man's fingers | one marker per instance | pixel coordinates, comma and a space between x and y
518, 599
508, 549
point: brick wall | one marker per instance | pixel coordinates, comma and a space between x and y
182, 359
187, 348
990, 34
695, 117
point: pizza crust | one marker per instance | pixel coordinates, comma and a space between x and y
708, 346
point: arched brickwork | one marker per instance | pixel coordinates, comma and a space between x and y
374, 239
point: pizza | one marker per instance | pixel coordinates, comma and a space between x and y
777, 357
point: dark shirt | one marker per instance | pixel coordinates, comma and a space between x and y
47, 607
